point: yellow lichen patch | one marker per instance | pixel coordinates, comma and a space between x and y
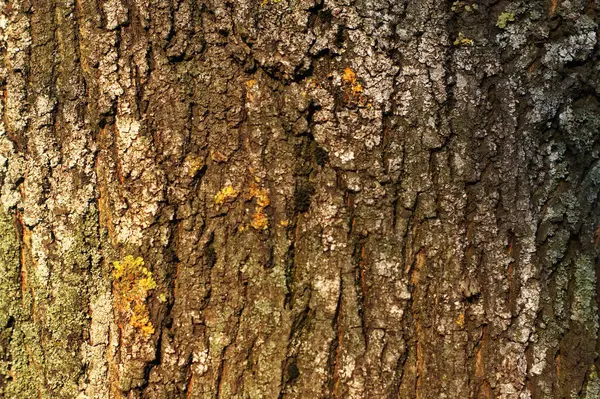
131, 285
284, 223
504, 19
227, 194
461, 40
460, 320
349, 78
260, 194
193, 164
264, 2
260, 221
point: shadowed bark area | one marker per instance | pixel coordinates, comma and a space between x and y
321, 199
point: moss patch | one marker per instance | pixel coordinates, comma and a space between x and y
132, 284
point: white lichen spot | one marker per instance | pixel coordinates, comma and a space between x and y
327, 291
200, 362
116, 14
38, 249
396, 311
385, 268
402, 290
348, 368
101, 310
128, 130
43, 106
345, 157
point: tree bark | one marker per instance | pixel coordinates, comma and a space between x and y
362, 199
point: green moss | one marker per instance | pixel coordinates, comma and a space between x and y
504, 19
459, 6
65, 300
19, 352
583, 307
38, 356
9, 270
25, 377
592, 387
16, 368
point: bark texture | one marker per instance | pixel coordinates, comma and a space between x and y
331, 198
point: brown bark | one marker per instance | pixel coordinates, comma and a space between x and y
371, 199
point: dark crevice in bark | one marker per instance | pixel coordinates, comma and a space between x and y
316, 12
154, 363
395, 209
290, 260
298, 326
358, 258
220, 373
234, 333
309, 157
399, 375
210, 254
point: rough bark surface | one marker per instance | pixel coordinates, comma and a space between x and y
335, 199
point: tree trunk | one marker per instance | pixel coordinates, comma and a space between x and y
299, 199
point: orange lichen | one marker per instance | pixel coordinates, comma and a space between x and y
260, 194
131, 285
227, 194
553, 7
252, 92
349, 76
353, 88
460, 320
259, 221
218, 157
